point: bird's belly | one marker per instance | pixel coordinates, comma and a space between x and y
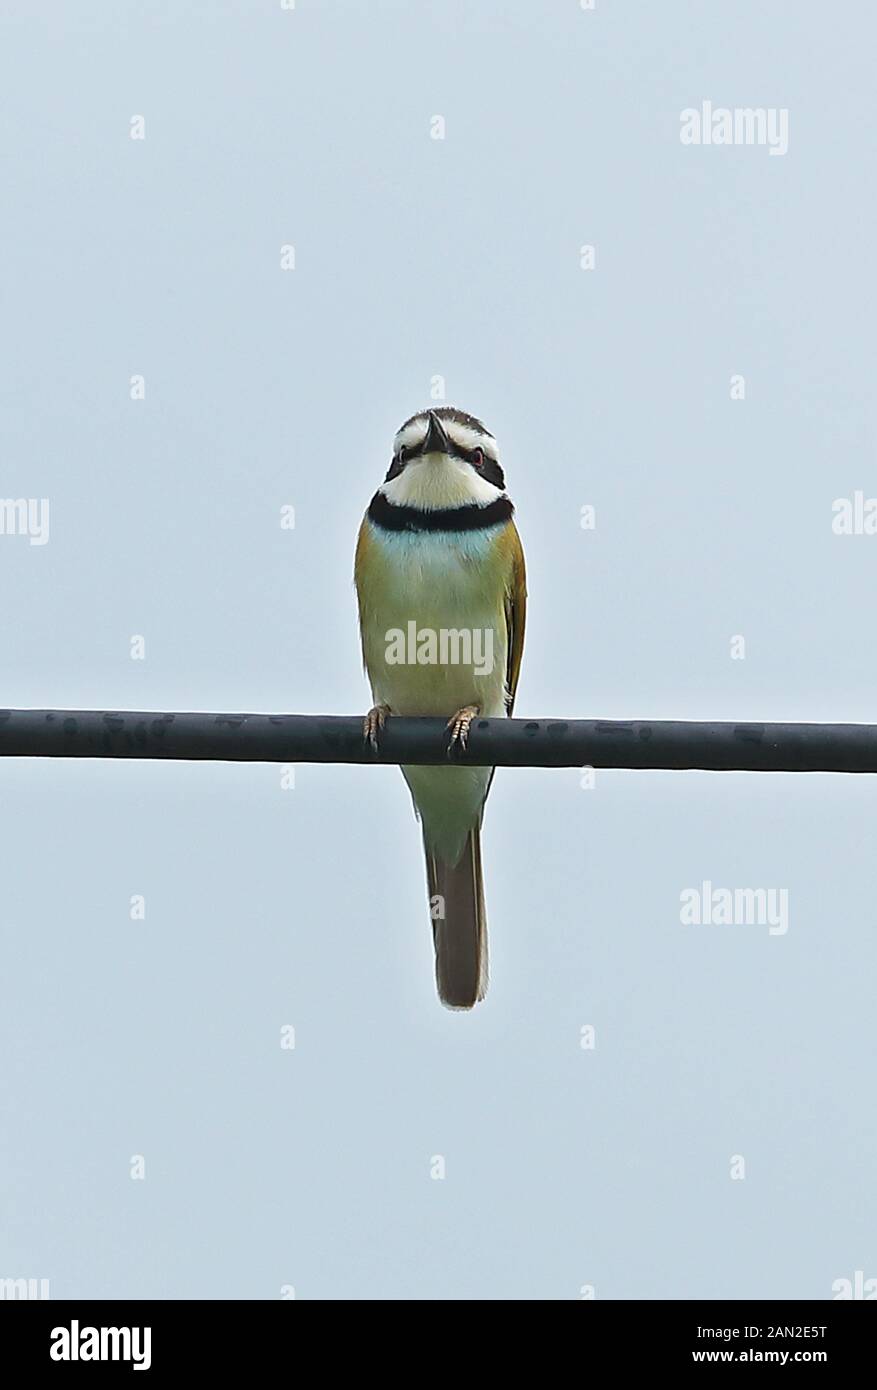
434, 632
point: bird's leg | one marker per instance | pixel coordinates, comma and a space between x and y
373, 724
459, 725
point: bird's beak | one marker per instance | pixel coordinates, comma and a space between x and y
436, 441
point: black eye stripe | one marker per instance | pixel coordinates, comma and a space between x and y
492, 473
488, 468
456, 450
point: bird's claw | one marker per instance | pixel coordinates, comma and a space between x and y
459, 726
373, 724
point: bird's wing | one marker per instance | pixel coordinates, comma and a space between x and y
360, 568
515, 615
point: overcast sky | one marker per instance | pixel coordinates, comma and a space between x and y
702, 378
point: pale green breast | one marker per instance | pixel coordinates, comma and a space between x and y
451, 582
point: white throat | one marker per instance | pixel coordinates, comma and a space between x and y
437, 481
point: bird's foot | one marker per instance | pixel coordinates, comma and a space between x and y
373, 724
459, 726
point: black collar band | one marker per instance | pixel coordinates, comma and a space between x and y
472, 517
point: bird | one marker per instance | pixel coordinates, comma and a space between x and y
441, 587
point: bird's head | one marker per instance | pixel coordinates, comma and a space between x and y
445, 451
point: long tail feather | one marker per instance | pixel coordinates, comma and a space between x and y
459, 924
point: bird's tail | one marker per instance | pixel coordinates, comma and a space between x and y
459, 924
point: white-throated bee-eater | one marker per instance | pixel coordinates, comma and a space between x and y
442, 595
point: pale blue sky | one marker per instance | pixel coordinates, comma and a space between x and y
417, 257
